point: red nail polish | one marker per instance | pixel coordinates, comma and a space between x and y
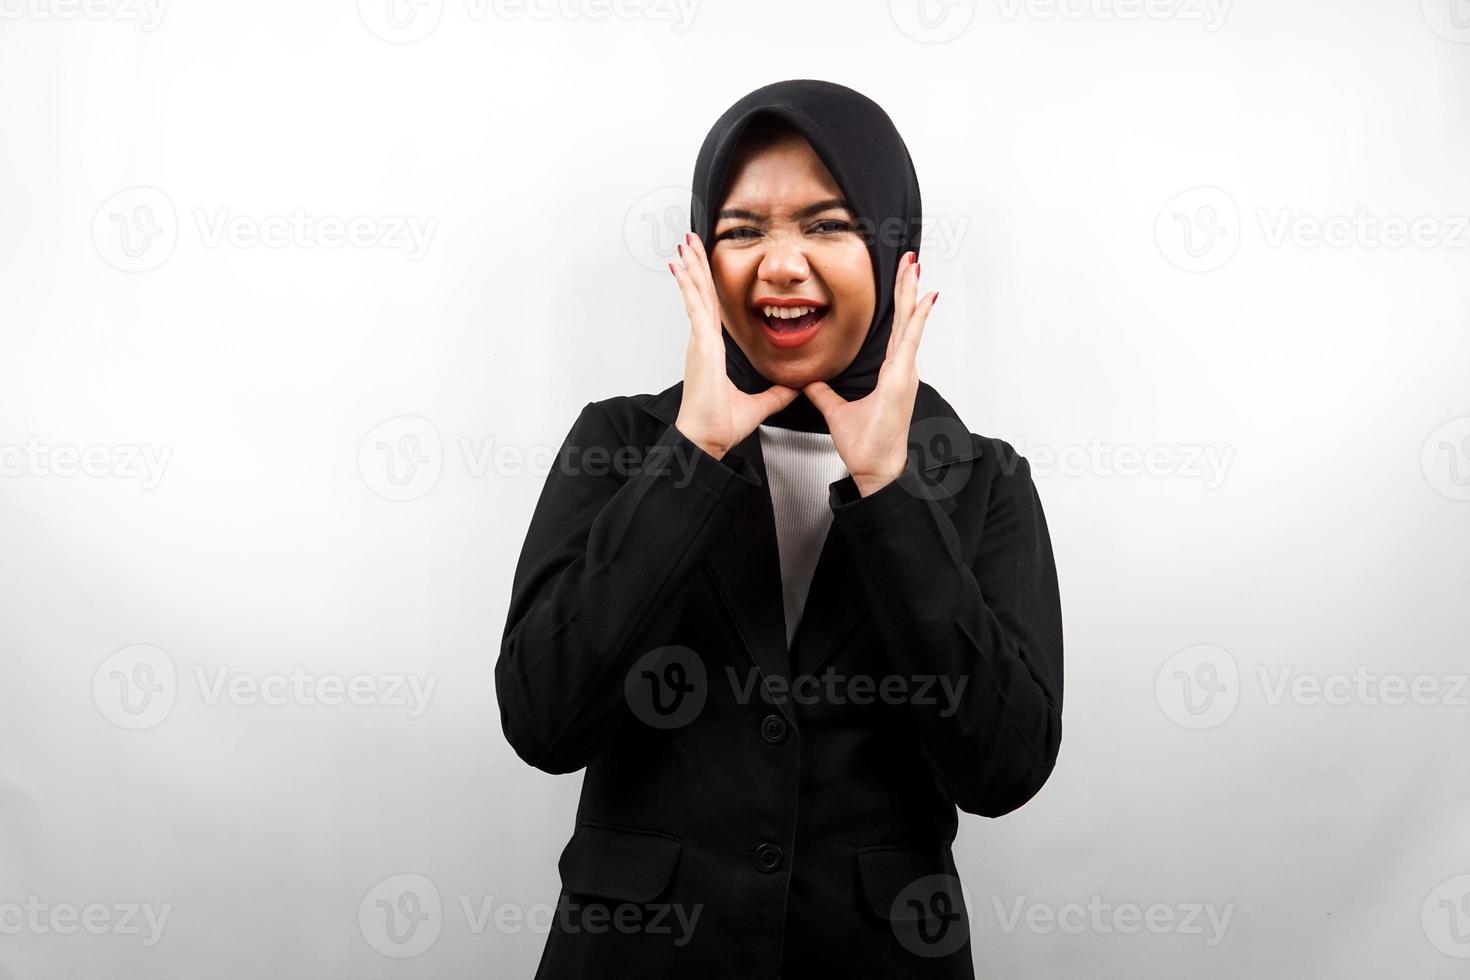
671, 269
918, 269
688, 238
681, 250
934, 300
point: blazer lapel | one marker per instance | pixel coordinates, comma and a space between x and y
746, 570
833, 606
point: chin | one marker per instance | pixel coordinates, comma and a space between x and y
792, 375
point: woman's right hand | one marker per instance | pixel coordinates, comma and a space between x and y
714, 414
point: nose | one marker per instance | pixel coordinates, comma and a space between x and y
784, 262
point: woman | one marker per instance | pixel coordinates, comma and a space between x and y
784, 648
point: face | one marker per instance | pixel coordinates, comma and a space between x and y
785, 239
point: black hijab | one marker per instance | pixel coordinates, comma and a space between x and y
860, 146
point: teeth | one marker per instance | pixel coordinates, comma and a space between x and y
787, 312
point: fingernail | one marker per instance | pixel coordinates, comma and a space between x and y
934, 300
688, 238
918, 269
681, 250
671, 269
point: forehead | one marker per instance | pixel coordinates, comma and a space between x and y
779, 178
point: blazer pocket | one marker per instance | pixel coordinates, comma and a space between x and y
910, 882
619, 862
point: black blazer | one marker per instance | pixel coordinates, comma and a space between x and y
804, 833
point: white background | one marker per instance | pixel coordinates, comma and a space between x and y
1120, 205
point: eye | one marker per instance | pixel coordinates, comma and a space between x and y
736, 233
831, 225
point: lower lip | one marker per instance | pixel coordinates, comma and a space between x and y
791, 338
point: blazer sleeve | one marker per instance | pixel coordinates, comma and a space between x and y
599, 578
994, 625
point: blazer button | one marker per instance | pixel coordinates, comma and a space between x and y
768, 857
773, 729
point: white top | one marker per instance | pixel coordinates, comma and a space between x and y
799, 467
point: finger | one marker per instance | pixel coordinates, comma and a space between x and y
909, 346
694, 304
822, 396
697, 259
903, 290
773, 399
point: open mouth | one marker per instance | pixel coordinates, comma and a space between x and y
792, 331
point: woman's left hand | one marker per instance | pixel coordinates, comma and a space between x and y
872, 434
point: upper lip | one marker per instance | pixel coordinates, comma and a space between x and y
777, 301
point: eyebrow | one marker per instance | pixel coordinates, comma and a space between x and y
832, 203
